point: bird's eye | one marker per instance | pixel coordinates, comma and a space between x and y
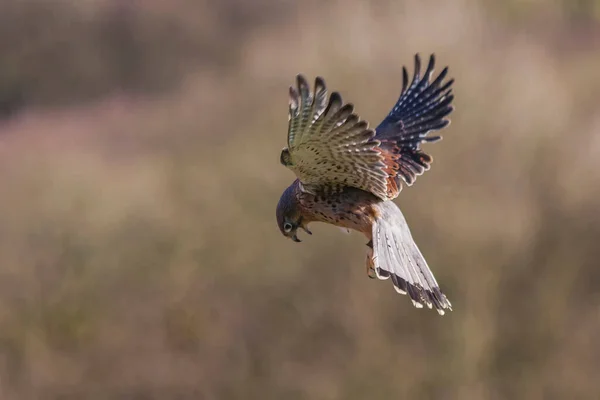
287, 227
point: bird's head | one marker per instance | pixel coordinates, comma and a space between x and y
289, 215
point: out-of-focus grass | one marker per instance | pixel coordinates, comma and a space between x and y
139, 256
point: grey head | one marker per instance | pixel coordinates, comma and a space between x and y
289, 213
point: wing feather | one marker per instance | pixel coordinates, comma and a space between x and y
422, 107
330, 146
328, 143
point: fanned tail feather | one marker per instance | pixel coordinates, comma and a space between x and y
396, 256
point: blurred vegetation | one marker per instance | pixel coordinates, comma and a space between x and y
139, 254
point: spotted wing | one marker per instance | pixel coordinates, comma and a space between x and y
423, 107
329, 145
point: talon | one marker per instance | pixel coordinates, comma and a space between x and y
371, 273
306, 230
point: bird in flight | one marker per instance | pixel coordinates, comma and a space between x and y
348, 174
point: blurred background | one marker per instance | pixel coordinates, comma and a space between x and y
139, 174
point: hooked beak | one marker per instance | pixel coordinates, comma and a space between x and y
294, 237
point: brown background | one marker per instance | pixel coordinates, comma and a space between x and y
139, 173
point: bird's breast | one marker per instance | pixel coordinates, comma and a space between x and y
350, 208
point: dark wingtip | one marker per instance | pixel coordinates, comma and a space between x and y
319, 83
432, 60
300, 79
417, 74
344, 112
430, 67
302, 83
335, 97
404, 79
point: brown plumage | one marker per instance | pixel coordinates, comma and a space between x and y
348, 174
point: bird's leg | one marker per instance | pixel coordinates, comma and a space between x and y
370, 264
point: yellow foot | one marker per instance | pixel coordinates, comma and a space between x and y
370, 264
371, 271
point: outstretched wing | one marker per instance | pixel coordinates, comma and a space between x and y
421, 108
329, 145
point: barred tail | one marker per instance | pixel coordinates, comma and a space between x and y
396, 256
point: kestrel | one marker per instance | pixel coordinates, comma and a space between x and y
348, 174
